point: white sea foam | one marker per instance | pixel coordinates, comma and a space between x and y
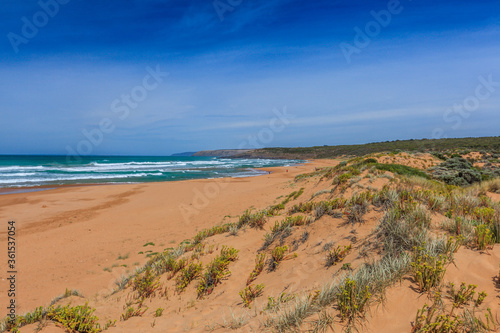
19, 175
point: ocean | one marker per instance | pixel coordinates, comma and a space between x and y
33, 171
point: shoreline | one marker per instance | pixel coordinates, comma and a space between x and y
46, 187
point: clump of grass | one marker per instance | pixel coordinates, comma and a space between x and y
216, 230
216, 271
29, 318
259, 267
275, 303
304, 207
377, 276
235, 322
284, 227
337, 255
254, 220
188, 274
67, 293
123, 257
275, 209
325, 191
250, 293
463, 227
257, 220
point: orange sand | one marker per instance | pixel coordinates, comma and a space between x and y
86, 238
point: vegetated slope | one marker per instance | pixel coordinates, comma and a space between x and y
221, 152
374, 244
484, 144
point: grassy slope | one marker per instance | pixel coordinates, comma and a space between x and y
424, 145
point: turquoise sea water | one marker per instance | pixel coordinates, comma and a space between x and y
30, 171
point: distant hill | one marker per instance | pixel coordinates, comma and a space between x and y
189, 153
490, 144
423, 145
222, 152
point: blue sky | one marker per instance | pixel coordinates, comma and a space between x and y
230, 63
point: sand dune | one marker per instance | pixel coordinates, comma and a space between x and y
87, 238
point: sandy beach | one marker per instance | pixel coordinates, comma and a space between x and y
67, 236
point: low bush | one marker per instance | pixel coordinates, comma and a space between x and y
279, 254
337, 255
220, 229
457, 171
428, 271
484, 237
131, 312
80, 318
352, 300
145, 284
250, 293
188, 274
216, 271
259, 267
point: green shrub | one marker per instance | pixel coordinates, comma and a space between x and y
131, 312
259, 267
220, 229
75, 319
188, 274
484, 237
273, 303
464, 295
427, 321
456, 171
283, 228
337, 255
146, 284
402, 170
159, 312
32, 317
216, 271
256, 220
485, 214
428, 271
352, 300
279, 254
250, 293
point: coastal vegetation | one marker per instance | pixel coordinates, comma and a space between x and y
365, 225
